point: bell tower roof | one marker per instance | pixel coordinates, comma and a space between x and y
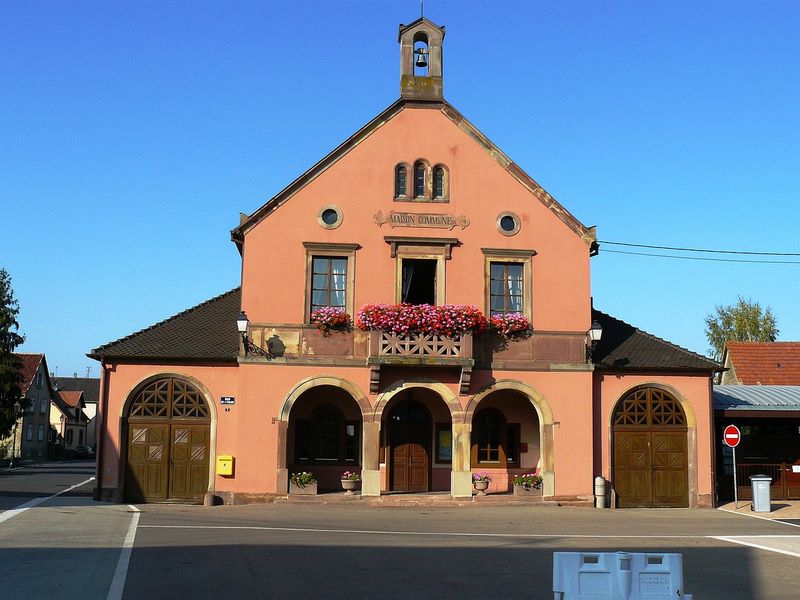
421, 60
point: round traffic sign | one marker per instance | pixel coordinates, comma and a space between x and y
732, 436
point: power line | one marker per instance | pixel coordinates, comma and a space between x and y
698, 249
703, 258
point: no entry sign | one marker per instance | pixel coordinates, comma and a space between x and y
732, 436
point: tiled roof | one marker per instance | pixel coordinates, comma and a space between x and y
765, 363
205, 332
757, 397
70, 398
623, 346
90, 386
29, 363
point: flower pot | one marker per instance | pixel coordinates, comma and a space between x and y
481, 486
348, 485
531, 492
305, 490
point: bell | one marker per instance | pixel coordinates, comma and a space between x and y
421, 60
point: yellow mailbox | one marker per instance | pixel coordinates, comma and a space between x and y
224, 464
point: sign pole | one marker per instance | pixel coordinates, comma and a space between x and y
735, 484
731, 436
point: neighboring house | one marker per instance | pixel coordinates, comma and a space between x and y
760, 394
90, 386
761, 363
68, 422
417, 207
36, 391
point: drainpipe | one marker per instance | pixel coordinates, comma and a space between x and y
101, 414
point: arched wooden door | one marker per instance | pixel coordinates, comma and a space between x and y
169, 430
650, 450
409, 448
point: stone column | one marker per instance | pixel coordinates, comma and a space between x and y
370, 467
548, 462
461, 474
282, 473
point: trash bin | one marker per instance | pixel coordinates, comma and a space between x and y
618, 576
761, 490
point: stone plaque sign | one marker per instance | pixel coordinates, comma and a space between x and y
431, 220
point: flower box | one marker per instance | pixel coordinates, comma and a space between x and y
521, 490
309, 489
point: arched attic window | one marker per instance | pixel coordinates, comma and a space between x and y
440, 183
400, 181
419, 179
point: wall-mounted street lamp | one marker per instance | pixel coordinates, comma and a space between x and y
593, 335
242, 322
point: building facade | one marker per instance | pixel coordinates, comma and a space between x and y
68, 423
37, 391
417, 208
90, 386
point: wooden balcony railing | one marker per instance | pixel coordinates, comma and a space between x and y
424, 344
420, 349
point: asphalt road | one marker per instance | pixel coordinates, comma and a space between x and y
71, 547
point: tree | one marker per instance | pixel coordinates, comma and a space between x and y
744, 321
9, 362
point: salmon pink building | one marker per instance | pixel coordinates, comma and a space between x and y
415, 308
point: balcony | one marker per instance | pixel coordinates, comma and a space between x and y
420, 349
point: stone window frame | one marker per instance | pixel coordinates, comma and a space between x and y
506, 255
320, 249
517, 223
427, 193
339, 216
438, 249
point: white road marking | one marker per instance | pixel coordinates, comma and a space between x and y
13, 512
447, 533
733, 512
742, 542
121, 572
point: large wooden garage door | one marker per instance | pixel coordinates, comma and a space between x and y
650, 450
169, 432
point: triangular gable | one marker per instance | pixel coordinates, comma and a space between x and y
28, 367
413, 24
587, 234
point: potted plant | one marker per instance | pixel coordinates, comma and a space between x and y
350, 481
510, 326
303, 483
480, 481
330, 319
528, 484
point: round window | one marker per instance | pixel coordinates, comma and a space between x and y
508, 223
330, 217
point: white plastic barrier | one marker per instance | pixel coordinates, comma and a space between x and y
618, 576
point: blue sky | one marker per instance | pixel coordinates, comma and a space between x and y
133, 133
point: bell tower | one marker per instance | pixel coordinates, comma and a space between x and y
421, 60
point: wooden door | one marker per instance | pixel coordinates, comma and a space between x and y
188, 470
148, 455
409, 438
650, 453
168, 445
